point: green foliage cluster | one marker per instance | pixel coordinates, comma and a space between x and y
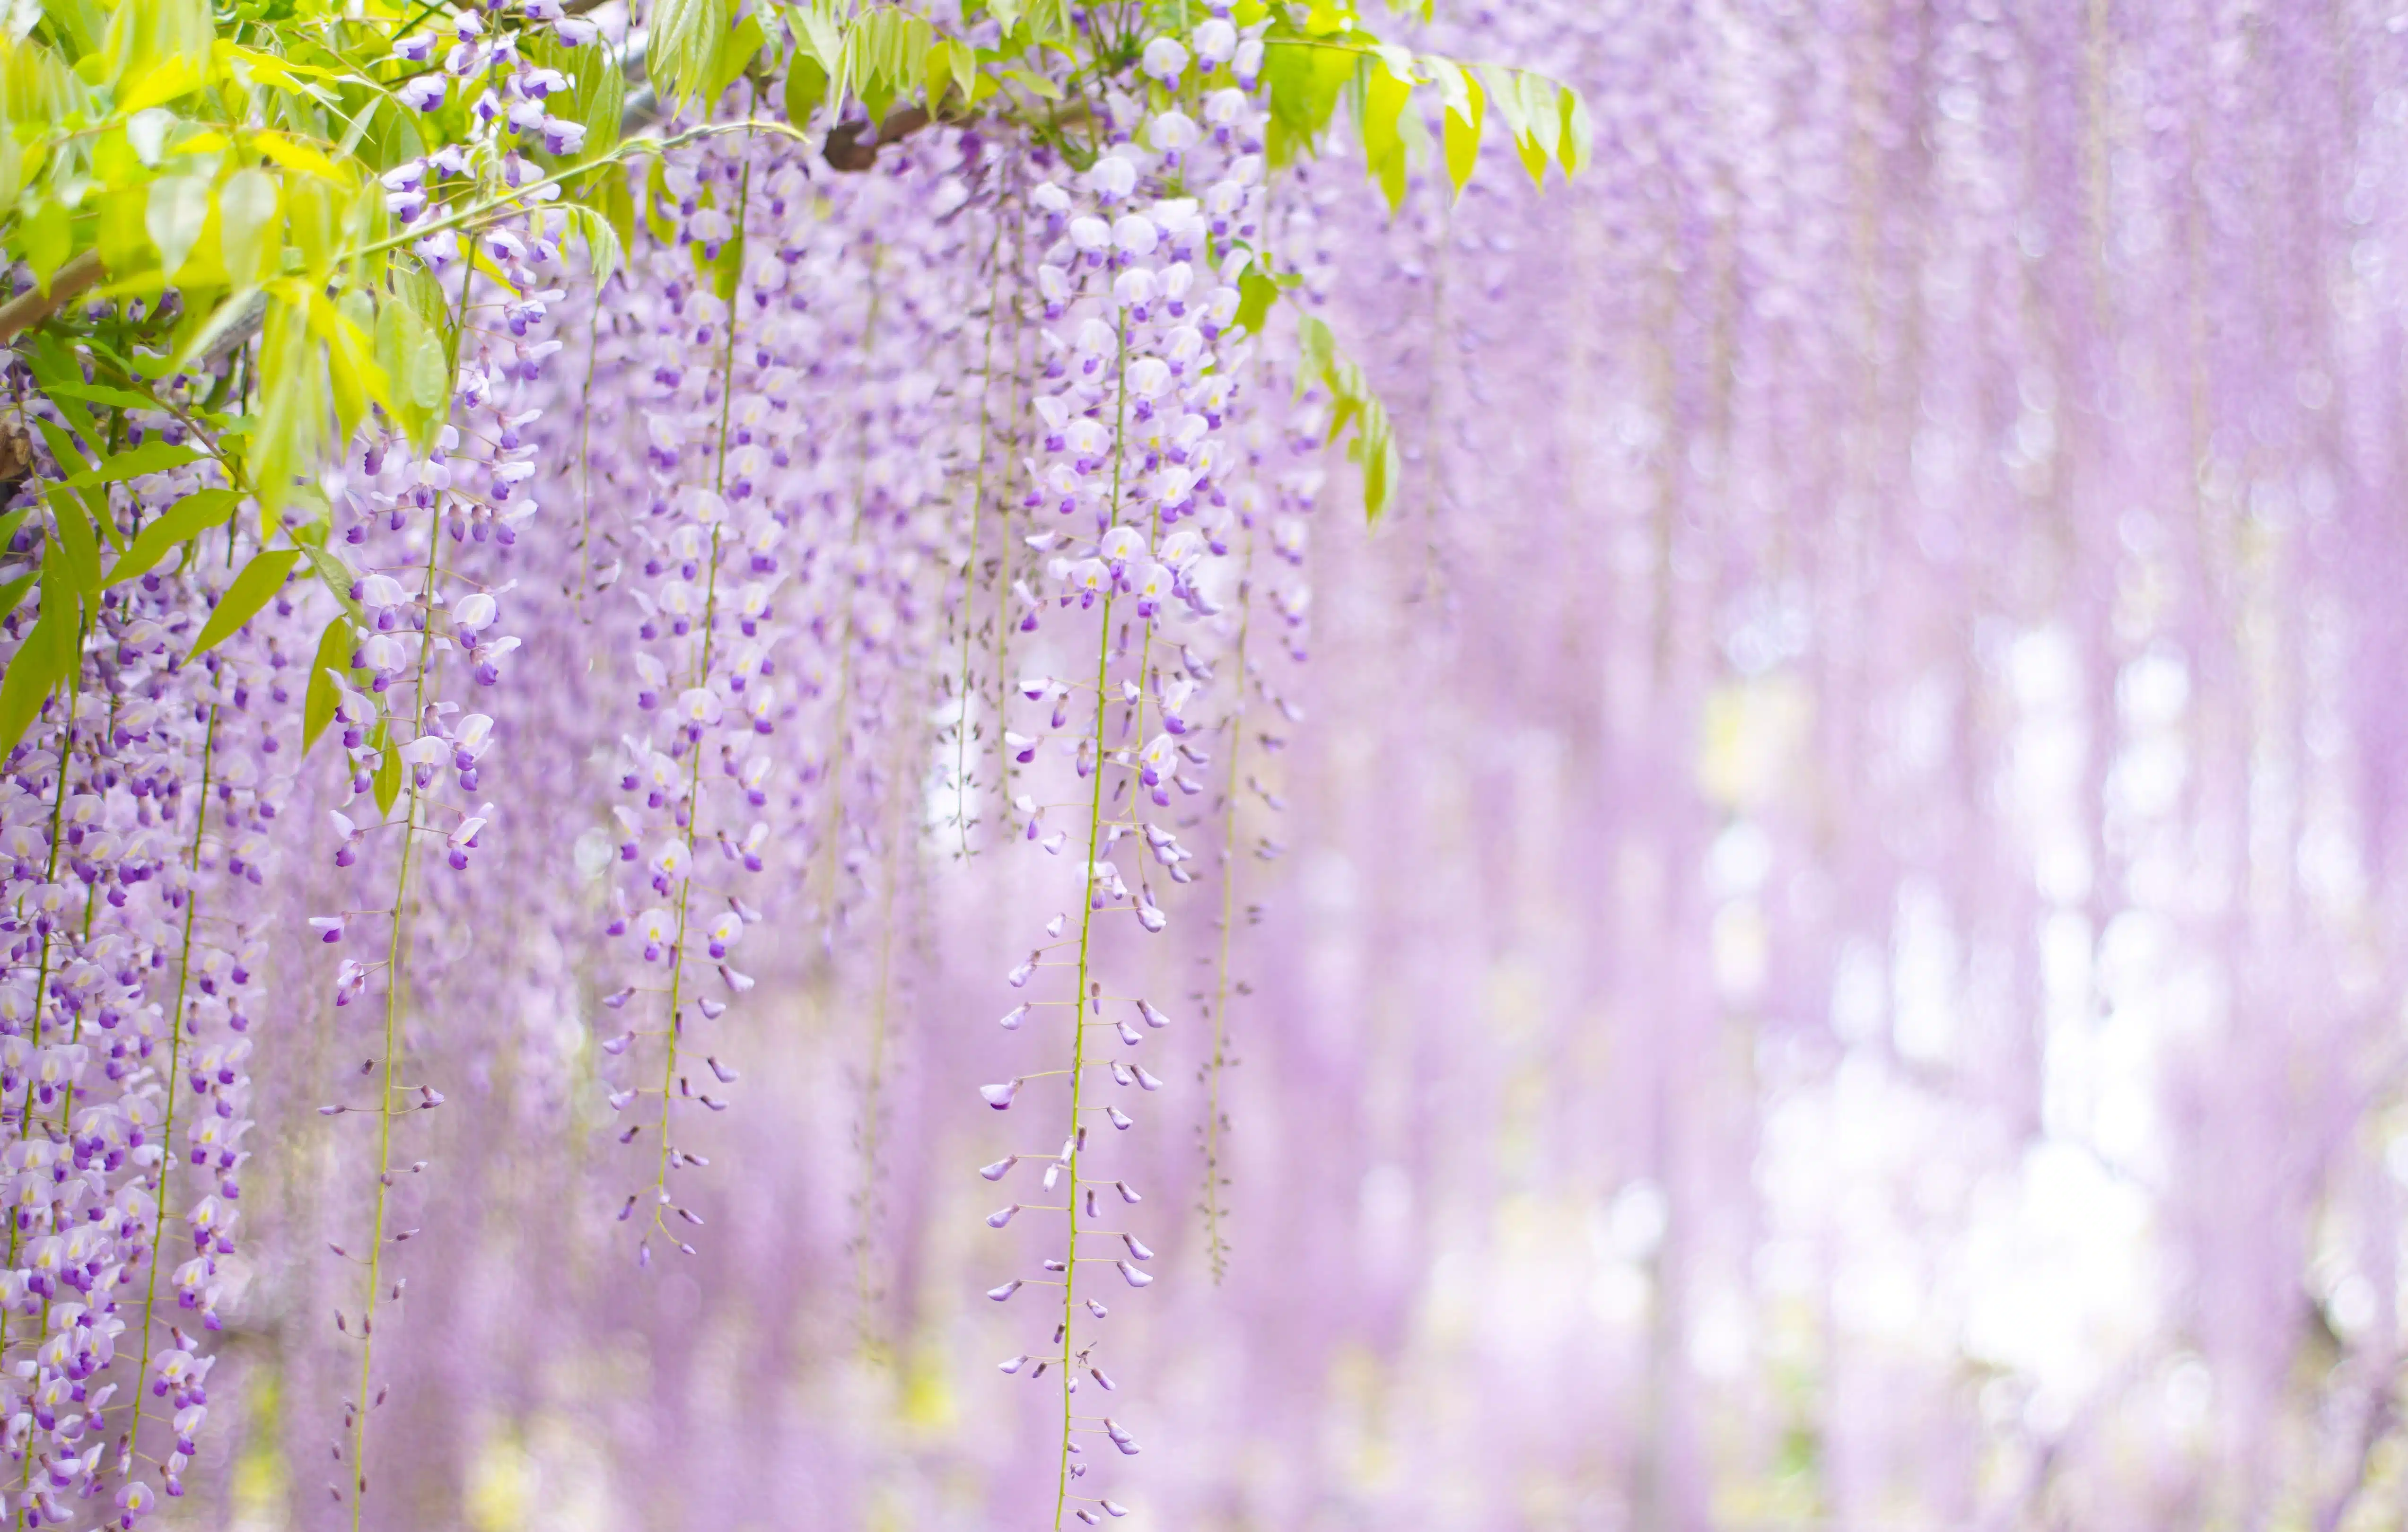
195, 193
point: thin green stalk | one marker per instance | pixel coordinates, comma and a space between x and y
1086, 930
41, 984
837, 737
584, 462
175, 1074
969, 569
1003, 573
519, 199
694, 776
1216, 1248
874, 1079
42, 970
386, 1085
1079, 1054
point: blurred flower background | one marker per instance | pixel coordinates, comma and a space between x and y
1815, 940
1832, 952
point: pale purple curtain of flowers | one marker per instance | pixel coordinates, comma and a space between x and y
1807, 933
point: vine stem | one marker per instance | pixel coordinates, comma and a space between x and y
584, 462
1086, 930
836, 737
175, 1073
1216, 1249
694, 776
41, 984
872, 1083
1079, 1054
42, 970
1015, 410
511, 202
393, 980
969, 569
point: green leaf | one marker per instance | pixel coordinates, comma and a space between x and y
819, 32
318, 703
1505, 92
237, 308
14, 591
597, 99
54, 362
177, 209
387, 781
604, 254
1353, 404
248, 235
1305, 81
1034, 83
296, 154
1256, 292
737, 47
1374, 450
177, 75
1386, 87
42, 661
47, 238
1315, 347
727, 271
180, 523
806, 83
99, 393
966, 70
1579, 142
1467, 109
417, 374
261, 578
78, 552
12, 171
684, 39
1544, 117
153, 456
350, 362
63, 446
604, 109
617, 204
334, 574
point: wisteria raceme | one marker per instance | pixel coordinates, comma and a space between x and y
742, 547
1131, 496
426, 536
144, 817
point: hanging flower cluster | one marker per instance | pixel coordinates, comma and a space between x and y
140, 821
1138, 493
776, 575
806, 541
410, 663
